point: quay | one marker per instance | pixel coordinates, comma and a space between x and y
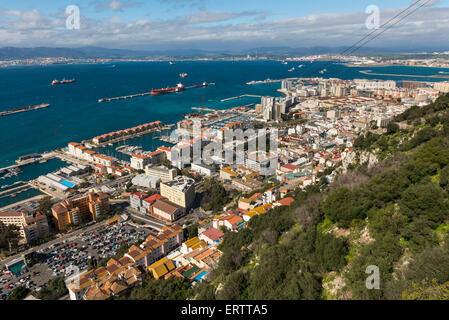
15, 189
20, 163
125, 97
241, 96
203, 109
18, 110
130, 96
369, 73
131, 136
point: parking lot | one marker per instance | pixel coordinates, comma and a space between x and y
65, 258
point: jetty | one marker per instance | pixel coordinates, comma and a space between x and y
23, 161
130, 96
241, 96
204, 109
24, 109
369, 73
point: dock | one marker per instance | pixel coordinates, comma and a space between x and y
125, 97
130, 96
15, 189
204, 109
44, 156
241, 96
132, 136
24, 109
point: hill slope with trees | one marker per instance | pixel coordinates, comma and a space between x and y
393, 215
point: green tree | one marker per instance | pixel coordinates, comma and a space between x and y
19, 293
392, 128
55, 289
215, 196
425, 199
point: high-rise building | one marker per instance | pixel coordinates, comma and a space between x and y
31, 226
72, 211
442, 86
180, 191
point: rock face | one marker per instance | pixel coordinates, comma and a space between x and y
359, 157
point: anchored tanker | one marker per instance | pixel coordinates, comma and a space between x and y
62, 81
180, 87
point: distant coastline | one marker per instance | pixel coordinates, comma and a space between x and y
369, 73
378, 65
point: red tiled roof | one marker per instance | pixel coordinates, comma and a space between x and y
213, 234
286, 201
153, 198
290, 166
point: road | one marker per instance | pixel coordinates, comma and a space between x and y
57, 240
150, 221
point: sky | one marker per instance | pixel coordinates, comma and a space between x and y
223, 24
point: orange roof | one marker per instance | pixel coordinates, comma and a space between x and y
286, 201
233, 219
102, 157
155, 153
139, 156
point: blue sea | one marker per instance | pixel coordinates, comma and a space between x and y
75, 113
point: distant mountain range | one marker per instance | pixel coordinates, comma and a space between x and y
98, 52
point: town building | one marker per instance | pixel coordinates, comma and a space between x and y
180, 191
74, 211
30, 226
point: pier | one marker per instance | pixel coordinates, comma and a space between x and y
239, 97
130, 96
29, 108
44, 156
204, 109
15, 189
369, 73
125, 97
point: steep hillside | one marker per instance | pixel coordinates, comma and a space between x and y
389, 208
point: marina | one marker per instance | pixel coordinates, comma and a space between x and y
129, 150
111, 138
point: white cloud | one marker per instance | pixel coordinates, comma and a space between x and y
209, 30
115, 5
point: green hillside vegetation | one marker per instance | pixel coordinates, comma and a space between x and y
393, 215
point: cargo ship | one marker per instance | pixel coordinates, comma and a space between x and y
62, 81
179, 88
